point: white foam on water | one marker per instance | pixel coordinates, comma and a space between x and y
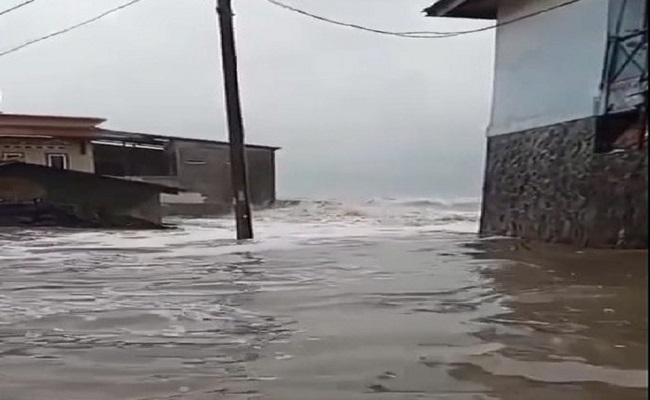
278, 228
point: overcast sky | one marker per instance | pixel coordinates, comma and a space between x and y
357, 114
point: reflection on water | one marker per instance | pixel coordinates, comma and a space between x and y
338, 308
573, 318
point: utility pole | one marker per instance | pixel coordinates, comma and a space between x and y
235, 123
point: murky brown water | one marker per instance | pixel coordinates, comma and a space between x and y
340, 312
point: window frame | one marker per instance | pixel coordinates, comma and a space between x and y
20, 154
64, 156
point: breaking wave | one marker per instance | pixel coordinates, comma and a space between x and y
464, 202
460, 215
289, 224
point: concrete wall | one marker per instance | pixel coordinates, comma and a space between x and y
548, 68
149, 209
130, 160
89, 196
549, 184
204, 168
186, 197
188, 203
261, 176
80, 154
200, 167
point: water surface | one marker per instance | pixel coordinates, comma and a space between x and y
386, 300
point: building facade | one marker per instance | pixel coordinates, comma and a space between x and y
59, 142
39, 195
566, 151
200, 167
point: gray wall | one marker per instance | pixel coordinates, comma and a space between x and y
89, 194
204, 167
261, 176
128, 160
549, 184
200, 167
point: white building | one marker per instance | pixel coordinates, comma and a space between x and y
565, 142
60, 142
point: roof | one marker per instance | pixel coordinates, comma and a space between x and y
48, 126
28, 120
475, 9
152, 139
82, 128
21, 165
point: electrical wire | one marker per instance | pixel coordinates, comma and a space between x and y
420, 34
70, 28
345, 24
23, 4
409, 35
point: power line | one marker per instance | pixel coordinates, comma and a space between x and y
345, 24
410, 35
420, 34
515, 20
70, 28
23, 4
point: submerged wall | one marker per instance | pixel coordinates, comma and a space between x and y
200, 167
87, 199
549, 184
204, 168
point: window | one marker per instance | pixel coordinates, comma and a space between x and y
195, 162
13, 156
59, 161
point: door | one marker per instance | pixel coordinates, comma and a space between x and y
59, 161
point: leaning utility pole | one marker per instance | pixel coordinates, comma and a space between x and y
235, 124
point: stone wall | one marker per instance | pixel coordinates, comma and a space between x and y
549, 184
618, 211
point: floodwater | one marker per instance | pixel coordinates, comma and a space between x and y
385, 300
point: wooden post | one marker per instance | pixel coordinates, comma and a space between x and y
235, 123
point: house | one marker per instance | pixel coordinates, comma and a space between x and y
200, 167
566, 145
60, 142
40, 195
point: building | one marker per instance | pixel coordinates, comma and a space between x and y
200, 167
60, 142
40, 195
566, 145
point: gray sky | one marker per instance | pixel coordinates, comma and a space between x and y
358, 114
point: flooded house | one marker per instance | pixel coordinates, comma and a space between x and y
127, 176
41, 195
567, 141
200, 167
